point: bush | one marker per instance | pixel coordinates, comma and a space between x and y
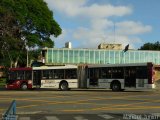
2, 82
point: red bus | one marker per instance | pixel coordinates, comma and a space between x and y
19, 78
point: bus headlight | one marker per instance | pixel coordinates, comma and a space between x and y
29, 81
18, 82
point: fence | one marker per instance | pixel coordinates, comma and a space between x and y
10, 114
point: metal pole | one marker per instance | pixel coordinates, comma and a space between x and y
27, 57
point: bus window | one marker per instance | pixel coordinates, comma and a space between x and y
51, 74
12, 75
28, 75
70, 74
103, 74
58, 74
117, 72
141, 72
109, 73
45, 74
48, 74
20, 75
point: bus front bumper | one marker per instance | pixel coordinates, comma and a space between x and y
11, 86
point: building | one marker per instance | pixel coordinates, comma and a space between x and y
98, 56
68, 45
110, 46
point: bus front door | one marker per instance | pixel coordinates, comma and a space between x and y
37, 78
130, 77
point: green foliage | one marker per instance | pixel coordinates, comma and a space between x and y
30, 18
2, 82
25, 23
151, 46
34, 54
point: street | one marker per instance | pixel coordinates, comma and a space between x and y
46, 104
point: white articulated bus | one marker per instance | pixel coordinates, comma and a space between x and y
109, 76
121, 76
63, 77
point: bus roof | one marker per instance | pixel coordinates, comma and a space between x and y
118, 65
24, 68
55, 67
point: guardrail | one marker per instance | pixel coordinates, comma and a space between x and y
10, 114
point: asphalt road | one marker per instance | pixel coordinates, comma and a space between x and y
50, 104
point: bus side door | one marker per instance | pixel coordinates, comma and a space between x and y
93, 76
130, 76
37, 78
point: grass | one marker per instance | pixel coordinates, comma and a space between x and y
157, 75
2, 82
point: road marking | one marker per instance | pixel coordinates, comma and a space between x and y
112, 108
131, 108
80, 110
51, 118
100, 108
81, 101
26, 106
132, 104
80, 118
92, 100
106, 116
24, 118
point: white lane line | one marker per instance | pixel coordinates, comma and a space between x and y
51, 118
105, 116
24, 118
80, 118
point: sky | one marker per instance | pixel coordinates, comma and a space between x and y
87, 23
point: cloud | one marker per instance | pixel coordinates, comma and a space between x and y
132, 28
62, 38
95, 24
86, 37
102, 11
91, 38
80, 8
69, 7
101, 24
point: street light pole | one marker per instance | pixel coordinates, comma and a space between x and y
27, 57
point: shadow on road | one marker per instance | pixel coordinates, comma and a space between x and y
76, 90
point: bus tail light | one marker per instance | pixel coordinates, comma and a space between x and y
29, 81
151, 73
153, 76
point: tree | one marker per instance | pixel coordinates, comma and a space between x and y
25, 23
150, 46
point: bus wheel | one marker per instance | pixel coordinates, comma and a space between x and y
64, 86
116, 86
24, 86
